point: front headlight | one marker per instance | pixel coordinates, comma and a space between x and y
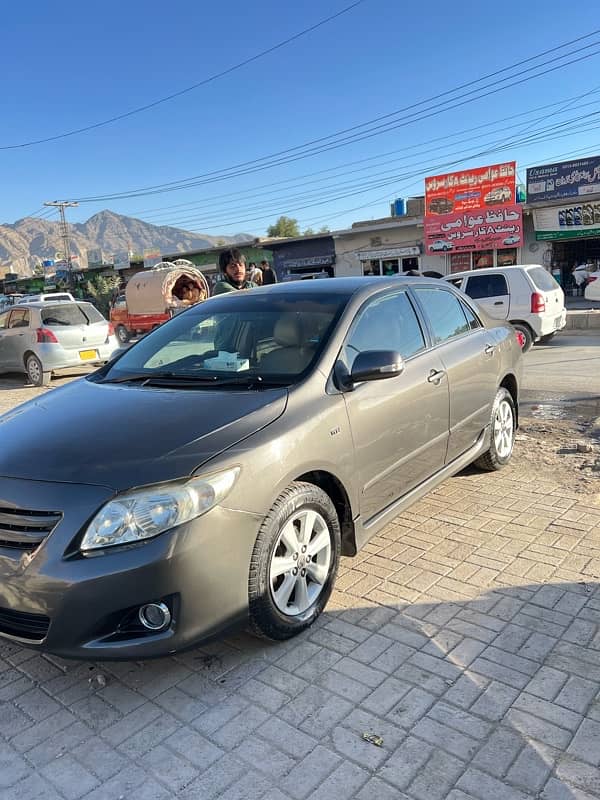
145, 513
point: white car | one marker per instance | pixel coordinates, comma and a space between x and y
512, 240
526, 295
440, 244
41, 339
592, 287
47, 297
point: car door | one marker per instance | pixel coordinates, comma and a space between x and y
469, 354
490, 291
4, 317
399, 425
16, 338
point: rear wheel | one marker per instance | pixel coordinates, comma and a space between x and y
527, 335
503, 425
122, 334
35, 371
294, 562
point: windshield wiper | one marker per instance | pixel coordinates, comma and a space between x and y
145, 377
176, 378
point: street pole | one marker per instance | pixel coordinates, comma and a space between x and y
61, 205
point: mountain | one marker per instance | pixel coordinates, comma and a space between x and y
28, 241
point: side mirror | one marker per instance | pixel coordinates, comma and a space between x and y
376, 365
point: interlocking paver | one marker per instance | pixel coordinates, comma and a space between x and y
466, 635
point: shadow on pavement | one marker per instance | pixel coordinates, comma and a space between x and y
491, 696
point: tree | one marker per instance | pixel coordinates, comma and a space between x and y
285, 226
308, 232
324, 229
102, 289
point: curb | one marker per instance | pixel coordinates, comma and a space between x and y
583, 320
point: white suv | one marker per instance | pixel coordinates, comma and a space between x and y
526, 295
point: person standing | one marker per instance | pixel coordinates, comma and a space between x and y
255, 274
268, 273
232, 265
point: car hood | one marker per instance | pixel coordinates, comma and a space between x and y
121, 436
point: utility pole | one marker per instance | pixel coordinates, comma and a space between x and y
61, 205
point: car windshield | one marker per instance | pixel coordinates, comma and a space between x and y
250, 339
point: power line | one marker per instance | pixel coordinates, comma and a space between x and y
256, 165
191, 88
300, 180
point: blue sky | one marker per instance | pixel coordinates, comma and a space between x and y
72, 64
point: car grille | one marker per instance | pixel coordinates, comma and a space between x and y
33, 627
26, 530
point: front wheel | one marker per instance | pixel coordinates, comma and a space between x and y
294, 562
503, 426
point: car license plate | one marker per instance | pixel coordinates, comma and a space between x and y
88, 355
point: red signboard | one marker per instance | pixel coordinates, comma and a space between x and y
470, 189
477, 230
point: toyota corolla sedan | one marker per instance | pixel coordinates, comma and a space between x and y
215, 471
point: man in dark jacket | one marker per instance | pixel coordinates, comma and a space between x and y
269, 275
232, 265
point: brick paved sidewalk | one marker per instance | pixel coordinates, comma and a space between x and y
466, 636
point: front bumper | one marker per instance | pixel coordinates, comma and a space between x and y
82, 606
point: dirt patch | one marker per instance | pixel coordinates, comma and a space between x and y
564, 449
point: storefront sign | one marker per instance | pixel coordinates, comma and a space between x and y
151, 258
121, 260
393, 252
567, 222
566, 179
471, 189
311, 261
480, 230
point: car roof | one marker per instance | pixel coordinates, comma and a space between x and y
42, 304
483, 270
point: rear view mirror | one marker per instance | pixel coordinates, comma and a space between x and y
376, 365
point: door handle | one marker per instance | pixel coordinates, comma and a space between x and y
499, 303
435, 376
489, 350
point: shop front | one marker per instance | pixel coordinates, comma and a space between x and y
302, 258
564, 200
390, 261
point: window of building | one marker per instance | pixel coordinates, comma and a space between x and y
371, 267
483, 258
506, 258
410, 263
389, 266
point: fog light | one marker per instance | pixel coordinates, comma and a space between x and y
154, 616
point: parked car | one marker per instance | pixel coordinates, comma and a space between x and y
592, 287
501, 194
441, 244
48, 297
215, 471
525, 294
41, 339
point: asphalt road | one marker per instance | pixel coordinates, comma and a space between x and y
566, 373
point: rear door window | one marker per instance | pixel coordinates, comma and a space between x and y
19, 318
542, 279
493, 285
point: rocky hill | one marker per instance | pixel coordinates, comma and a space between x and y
28, 241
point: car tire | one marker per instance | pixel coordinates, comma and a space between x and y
283, 599
526, 331
122, 334
503, 425
35, 371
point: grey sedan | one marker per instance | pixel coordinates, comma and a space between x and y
43, 338
215, 472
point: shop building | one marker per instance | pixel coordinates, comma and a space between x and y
563, 204
302, 256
